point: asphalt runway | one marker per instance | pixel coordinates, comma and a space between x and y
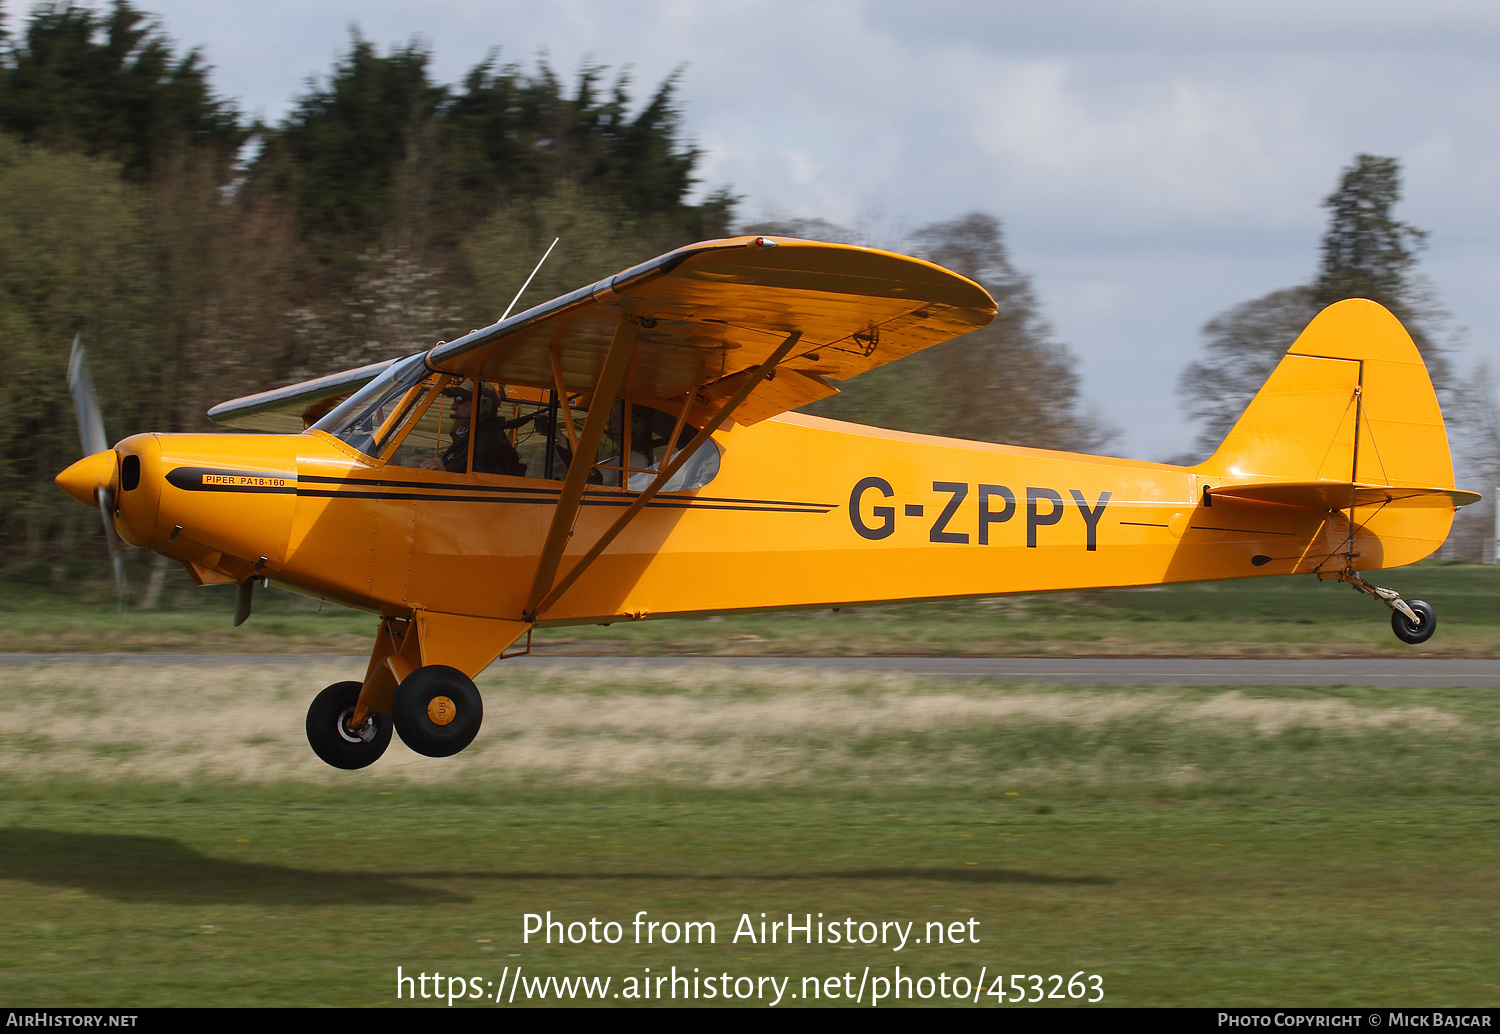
1415, 672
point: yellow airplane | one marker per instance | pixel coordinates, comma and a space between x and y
439, 491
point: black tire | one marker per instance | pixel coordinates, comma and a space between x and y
429, 726
328, 732
1414, 633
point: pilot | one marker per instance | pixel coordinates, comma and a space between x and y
493, 451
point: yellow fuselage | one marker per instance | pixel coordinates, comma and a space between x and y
804, 512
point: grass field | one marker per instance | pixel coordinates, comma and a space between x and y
1289, 617
166, 838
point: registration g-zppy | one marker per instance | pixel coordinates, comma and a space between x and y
631, 450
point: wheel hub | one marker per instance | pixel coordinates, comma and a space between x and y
364, 734
441, 710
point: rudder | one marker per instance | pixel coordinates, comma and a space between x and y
1350, 408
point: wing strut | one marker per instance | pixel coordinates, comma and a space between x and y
664, 474
611, 378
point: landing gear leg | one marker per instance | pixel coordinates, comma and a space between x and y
1413, 621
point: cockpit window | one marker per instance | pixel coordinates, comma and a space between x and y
415, 418
370, 411
651, 438
419, 425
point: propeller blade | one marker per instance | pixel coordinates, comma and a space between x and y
106, 497
91, 437
85, 402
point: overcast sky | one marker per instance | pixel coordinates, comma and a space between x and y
1153, 161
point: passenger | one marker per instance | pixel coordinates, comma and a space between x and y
493, 451
640, 459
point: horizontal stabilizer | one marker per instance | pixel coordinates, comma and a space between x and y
1324, 495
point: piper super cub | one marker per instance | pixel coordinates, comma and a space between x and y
630, 450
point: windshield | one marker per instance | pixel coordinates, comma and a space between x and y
360, 417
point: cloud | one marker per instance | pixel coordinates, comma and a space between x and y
1136, 149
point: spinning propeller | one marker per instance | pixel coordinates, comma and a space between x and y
100, 460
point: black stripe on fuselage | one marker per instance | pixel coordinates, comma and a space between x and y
665, 504
204, 479
315, 479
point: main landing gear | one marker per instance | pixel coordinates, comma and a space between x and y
1413, 621
437, 712
332, 736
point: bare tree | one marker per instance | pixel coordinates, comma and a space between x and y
1009, 382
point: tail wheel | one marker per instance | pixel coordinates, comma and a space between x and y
334, 740
1422, 630
438, 711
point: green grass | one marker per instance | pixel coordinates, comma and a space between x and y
1191, 846
1248, 617
247, 898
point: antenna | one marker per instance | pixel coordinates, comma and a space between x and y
534, 272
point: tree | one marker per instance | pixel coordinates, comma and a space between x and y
118, 221
385, 212
109, 85
444, 196
1473, 412
1009, 382
597, 236
518, 135
229, 270
75, 257
1242, 346
1365, 253
335, 156
378, 133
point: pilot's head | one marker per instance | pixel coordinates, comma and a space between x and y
463, 395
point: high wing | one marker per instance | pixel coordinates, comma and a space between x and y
712, 312
295, 407
709, 314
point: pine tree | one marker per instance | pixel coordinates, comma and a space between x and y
336, 156
1365, 253
110, 85
378, 132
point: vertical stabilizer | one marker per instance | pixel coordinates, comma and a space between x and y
1353, 362
1349, 412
